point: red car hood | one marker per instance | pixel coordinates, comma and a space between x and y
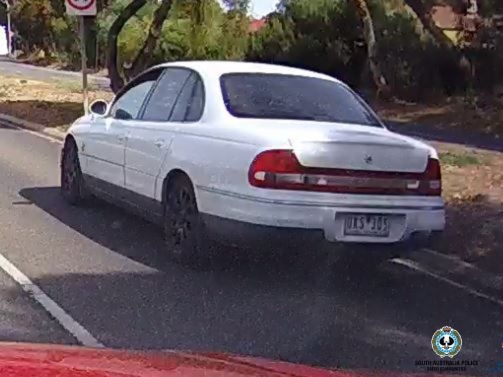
22, 360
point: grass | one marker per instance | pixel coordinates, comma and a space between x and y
55, 104
458, 159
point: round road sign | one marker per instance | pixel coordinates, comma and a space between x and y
81, 4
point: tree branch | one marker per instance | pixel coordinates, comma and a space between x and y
370, 40
144, 56
423, 13
116, 80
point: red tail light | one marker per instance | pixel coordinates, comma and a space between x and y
280, 169
432, 179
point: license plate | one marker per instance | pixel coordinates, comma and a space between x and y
366, 225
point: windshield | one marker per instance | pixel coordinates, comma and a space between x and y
279, 96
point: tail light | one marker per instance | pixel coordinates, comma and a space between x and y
280, 169
432, 179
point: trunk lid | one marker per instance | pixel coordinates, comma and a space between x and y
359, 148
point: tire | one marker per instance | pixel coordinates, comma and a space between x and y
72, 185
184, 233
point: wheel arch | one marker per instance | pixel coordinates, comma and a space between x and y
168, 180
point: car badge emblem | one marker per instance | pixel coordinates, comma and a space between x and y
368, 159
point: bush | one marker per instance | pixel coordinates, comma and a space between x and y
410, 62
322, 35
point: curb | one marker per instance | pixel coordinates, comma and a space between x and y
457, 272
17, 122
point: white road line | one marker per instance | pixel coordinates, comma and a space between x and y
417, 267
58, 313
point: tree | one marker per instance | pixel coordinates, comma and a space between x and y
370, 40
40, 31
145, 53
116, 79
422, 10
236, 24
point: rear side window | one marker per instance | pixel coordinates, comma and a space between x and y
165, 94
189, 106
276, 96
196, 105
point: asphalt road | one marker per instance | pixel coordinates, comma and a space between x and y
28, 71
108, 271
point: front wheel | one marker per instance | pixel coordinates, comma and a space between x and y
72, 185
184, 232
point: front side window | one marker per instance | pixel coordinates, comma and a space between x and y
128, 104
277, 96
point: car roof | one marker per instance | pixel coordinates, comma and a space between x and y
216, 67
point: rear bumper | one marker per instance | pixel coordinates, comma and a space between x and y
270, 238
309, 217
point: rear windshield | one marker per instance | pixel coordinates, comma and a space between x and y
276, 96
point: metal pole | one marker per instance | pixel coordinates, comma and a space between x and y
84, 64
9, 29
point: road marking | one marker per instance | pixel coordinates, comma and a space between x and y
417, 267
58, 313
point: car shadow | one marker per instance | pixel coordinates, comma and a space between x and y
142, 241
255, 306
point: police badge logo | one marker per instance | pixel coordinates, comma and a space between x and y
446, 342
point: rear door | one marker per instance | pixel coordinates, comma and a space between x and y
150, 139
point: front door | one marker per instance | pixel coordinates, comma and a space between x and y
105, 145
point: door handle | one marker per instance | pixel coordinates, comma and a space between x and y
159, 143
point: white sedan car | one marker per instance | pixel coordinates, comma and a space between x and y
255, 154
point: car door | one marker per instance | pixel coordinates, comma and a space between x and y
105, 145
151, 138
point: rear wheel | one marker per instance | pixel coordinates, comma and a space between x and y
184, 232
72, 185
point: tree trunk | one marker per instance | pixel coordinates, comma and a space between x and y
370, 40
423, 13
144, 56
116, 80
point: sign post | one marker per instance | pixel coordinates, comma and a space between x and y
82, 8
83, 54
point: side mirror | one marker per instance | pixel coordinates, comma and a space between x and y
99, 107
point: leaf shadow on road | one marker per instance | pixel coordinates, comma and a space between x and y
256, 307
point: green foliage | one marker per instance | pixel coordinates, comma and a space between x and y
410, 63
323, 35
459, 159
33, 20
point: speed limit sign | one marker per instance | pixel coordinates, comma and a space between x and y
81, 7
